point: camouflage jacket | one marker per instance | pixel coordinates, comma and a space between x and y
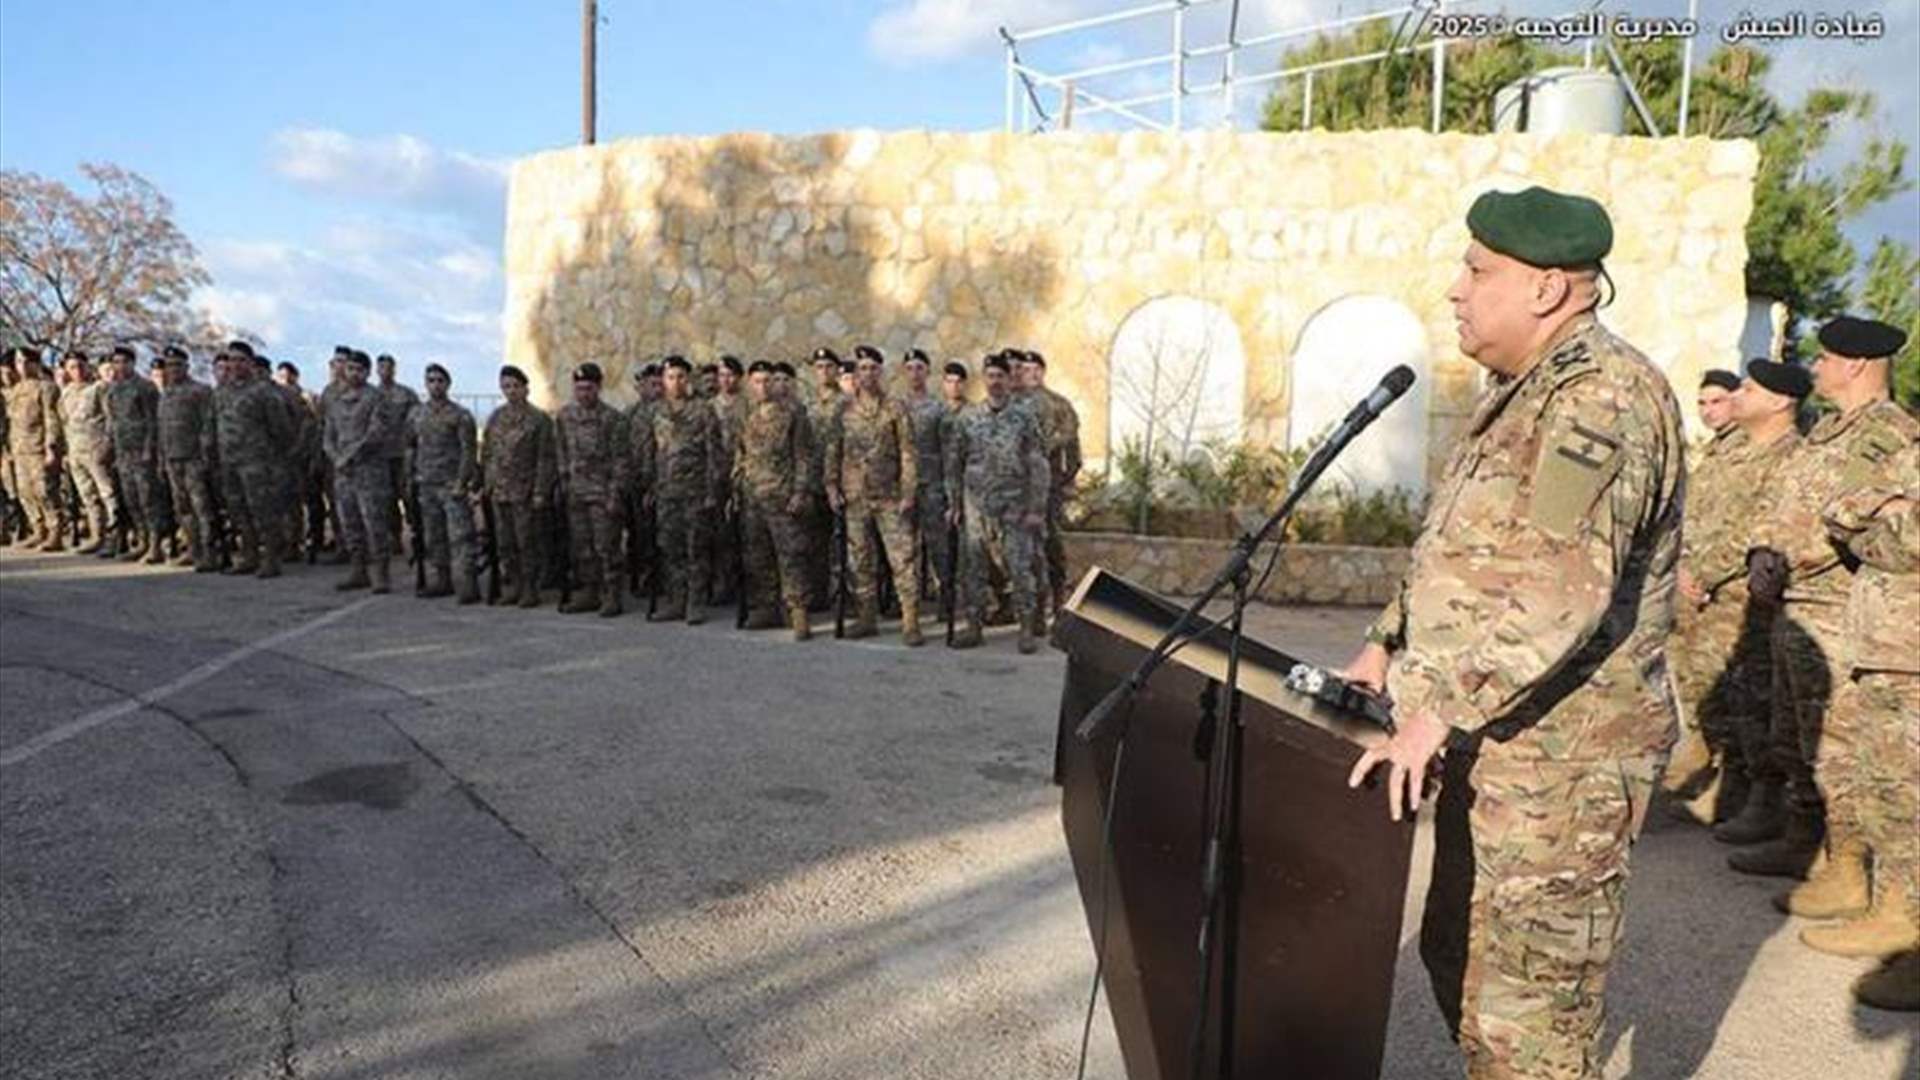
870, 455
1060, 427
83, 418
33, 418
1844, 452
1719, 527
775, 457
133, 407
683, 460
356, 432
306, 430
518, 459
1540, 597
1882, 538
397, 402
996, 461
187, 428
255, 426
928, 415
591, 450
823, 413
441, 441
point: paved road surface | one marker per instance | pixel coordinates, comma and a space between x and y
257, 829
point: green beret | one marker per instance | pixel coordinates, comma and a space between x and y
1541, 227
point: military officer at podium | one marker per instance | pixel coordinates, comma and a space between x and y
1529, 640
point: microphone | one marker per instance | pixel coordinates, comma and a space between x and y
1393, 384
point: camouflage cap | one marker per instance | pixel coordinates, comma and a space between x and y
1861, 339
1789, 379
1541, 227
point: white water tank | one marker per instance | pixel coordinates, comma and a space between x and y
1562, 99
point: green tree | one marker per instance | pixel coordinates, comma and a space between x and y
1890, 292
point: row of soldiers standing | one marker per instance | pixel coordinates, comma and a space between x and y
1798, 657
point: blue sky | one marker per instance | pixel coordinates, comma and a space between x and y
341, 164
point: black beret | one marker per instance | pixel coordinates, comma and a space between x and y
708, 368
676, 362
156, 363
825, 355
126, 351
508, 371
385, 358
650, 371
343, 350
731, 363
288, 365
996, 360
359, 359
587, 372
868, 352
955, 367
758, 366
848, 367
263, 363
240, 347
917, 354
781, 367
1861, 339
1541, 227
436, 368
1789, 379
1028, 356
175, 352
1720, 377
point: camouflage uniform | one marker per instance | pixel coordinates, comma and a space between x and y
996, 471
681, 467
772, 471
397, 403
871, 461
1534, 618
930, 417
254, 429
189, 444
34, 429
133, 405
517, 466
640, 523
1844, 452
83, 417
1060, 428
356, 440
1721, 654
297, 462
1879, 697
823, 580
593, 455
729, 411
441, 445
323, 465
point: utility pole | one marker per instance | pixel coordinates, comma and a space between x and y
589, 22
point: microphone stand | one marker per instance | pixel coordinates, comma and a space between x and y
1221, 792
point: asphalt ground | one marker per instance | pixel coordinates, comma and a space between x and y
264, 829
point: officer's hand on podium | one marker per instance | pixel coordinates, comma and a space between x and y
1408, 755
1368, 668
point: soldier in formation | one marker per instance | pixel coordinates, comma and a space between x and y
133, 411
591, 441
1060, 427
872, 471
997, 479
443, 464
518, 471
929, 417
682, 479
254, 426
356, 439
397, 402
189, 447
83, 416
772, 466
35, 442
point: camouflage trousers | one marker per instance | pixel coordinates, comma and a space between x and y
775, 556
895, 531
823, 569
989, 542
140, 494
1884, 708
35, 493
93, 478
1807, 639
517, 543
1722, 667
447, 521
680, 542
251, 493
593, 533
1054, 546
930, 508
191, 483
364, 493
1524, 914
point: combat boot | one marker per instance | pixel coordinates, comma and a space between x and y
668, 611
1789, 856
133, 545
801, 622
583, 600
696, 612
116, 539
610, 602
1758, 821
910, 634
529, 591
269, 561
157, 550
761, 618
469, 588
864, 622
54, 541
356, 578
1895, 986
203, 561
440, 583
1889, 927
96, 534
1837, 886
382, 576
968, 635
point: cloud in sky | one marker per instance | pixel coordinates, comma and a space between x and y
402, 170
918, 30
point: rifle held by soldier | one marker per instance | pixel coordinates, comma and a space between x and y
739, 564
839, 547
950, 583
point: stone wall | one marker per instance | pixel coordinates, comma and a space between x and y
1307, 574
769, 246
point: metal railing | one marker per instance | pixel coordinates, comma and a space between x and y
1025, 111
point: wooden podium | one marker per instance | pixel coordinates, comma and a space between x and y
1317, 873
